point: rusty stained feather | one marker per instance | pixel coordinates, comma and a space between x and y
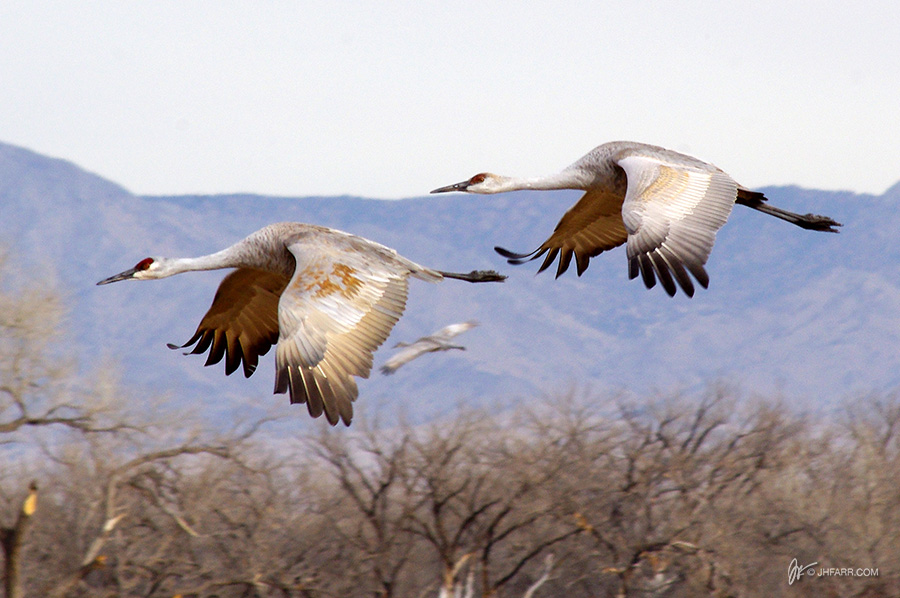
342, 279
674, 215
666, 186
327, 387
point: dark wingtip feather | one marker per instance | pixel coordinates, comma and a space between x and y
203, 342
309, 394
250, 363
662, 272
347, 416
565, 259
633, 267
511, 254
582, 261
701, 276
332, 412
197, 335
190, 342
551, 255
217, 352
646, 268
234, 354
517, 259
677, 268
281, 381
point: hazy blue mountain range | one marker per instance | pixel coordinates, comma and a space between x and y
811, 316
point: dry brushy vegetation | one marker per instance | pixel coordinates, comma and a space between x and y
709, 495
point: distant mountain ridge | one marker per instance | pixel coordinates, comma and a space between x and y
815, 317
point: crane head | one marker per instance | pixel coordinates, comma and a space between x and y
144, 269
483, 182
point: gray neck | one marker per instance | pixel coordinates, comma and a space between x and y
566, 179
214, 261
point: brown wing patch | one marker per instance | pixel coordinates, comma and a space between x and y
242, 322
590, 227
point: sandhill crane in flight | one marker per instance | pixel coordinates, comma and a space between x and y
665, 205
436, 341
326, 297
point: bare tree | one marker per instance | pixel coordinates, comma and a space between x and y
12, 539
92, 453
711, 494
369, 504
480, 503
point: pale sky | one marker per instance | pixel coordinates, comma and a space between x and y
392, 99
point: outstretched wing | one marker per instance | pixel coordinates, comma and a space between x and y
344, 299
408, 353
448, 332
590, 227
673, 208
437, 341
242, 322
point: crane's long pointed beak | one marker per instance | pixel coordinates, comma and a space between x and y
126, 275
455, 187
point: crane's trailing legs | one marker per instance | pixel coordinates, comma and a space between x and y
475, 276
758, 201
